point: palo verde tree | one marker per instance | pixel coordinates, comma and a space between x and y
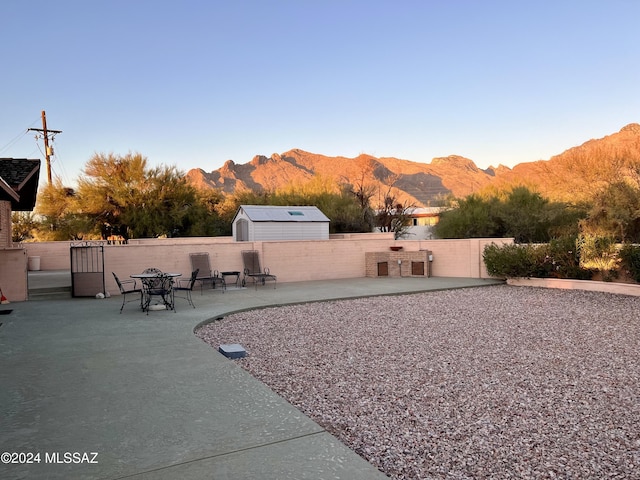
124, 196
59, 216
23, 226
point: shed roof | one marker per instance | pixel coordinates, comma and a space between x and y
19, 182
273, 213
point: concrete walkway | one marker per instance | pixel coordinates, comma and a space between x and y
154, 401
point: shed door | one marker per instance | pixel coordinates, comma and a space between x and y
242, 230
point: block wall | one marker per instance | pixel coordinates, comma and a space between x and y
341, 256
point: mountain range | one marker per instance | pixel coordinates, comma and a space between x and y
569, 176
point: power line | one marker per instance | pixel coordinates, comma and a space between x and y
16, 139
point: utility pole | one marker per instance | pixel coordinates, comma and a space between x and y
48, 151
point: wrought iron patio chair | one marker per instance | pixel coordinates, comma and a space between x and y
158, 285
186, 285
200, 262
128, 287
253, 271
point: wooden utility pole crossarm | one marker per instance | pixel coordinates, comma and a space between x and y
45, 134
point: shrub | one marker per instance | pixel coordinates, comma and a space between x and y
599, 253
510, 260
558, 259
630, 256
564, 257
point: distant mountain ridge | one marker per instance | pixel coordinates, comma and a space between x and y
578, 169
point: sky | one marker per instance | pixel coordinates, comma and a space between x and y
193, 83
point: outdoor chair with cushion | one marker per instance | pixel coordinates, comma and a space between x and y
186, 285
253, 271
200, 262
128, 287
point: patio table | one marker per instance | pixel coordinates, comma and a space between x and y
149, 285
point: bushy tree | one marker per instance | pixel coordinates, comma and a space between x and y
121, 195
124, 196
615, 212
600, 253
524, 216
59, 215
470, 217
519, 213
23, 226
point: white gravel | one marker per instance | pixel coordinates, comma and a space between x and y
495, 382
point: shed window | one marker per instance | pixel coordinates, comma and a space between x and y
296, 213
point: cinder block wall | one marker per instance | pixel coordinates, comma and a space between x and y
342, 256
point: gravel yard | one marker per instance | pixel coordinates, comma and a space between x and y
493, 382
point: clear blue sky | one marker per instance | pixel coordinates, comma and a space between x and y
195, 83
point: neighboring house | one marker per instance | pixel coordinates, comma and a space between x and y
423, 219
18, 189
268, 222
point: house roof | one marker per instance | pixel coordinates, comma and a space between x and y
272, 213
19, 182
426, 211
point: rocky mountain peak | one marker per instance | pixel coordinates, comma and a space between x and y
632, 128
575, 172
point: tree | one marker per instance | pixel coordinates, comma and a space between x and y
519, 213
393, 216
59, 216
23, 226
124, 196
471, 217
615, 212
524, 216
338, 205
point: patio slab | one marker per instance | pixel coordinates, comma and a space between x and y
153, 400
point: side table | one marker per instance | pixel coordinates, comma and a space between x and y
231, 274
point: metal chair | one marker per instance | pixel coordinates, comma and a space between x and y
158, 285
252, 270
186, 285
200, 262
127, 287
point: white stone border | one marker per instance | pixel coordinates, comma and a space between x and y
609, 287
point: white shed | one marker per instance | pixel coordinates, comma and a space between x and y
269, 222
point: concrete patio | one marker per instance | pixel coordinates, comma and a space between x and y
154, 401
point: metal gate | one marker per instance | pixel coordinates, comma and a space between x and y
87, 269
